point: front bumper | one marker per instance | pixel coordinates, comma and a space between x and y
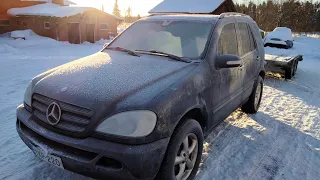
94, 157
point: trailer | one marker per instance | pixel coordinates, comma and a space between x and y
285, 65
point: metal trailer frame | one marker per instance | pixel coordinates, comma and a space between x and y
288, 67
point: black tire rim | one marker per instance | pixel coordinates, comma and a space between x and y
186, 157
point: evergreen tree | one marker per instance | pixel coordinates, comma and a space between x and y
138, 17
116, 10
128, 16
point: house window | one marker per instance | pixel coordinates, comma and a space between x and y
46, 25
104, 27
5, 23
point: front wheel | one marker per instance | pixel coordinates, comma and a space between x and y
184, 152
253, 103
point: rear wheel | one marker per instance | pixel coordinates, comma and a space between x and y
295, 68
289, 73
253, 103
184, 152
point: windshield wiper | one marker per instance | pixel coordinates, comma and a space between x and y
171, 56
132, 53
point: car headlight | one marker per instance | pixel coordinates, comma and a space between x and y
27, 95
130, 124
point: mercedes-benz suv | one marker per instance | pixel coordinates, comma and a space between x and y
141, 107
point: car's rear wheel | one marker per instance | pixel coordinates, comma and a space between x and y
184, 152
253, 103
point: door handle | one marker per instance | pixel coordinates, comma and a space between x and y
258, 58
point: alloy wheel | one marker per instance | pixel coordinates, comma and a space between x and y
186, 157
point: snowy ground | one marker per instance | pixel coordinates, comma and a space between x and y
281, 141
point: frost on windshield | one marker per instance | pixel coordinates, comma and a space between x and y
180, 38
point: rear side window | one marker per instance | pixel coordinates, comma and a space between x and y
246, 41
228, 40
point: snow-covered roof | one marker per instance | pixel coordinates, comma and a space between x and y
51, 10
48, 9
66, 2
187, 6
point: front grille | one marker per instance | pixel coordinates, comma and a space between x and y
74, 119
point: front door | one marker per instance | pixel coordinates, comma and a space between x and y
230, 79
74, 33
90, 33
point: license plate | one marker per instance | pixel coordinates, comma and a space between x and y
51, 159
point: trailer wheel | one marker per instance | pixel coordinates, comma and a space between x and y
289, 73
295, 67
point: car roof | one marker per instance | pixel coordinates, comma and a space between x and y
184, 17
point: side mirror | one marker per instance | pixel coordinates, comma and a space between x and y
228, 61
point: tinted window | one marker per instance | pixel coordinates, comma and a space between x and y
246, 40
228, 40
252, 40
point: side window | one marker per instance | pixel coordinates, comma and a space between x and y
228, 40
245, 39
252, 40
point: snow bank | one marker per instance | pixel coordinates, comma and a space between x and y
22, 34
4, 48
186, 6
102, 41
48, 9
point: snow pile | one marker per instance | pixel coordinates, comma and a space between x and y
102, 41
308, 34
66, 2
4, 48
186, 6
48, 9
22, 34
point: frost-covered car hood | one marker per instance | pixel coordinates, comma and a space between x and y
110, 77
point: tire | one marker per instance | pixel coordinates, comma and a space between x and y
289, 73
190, 130
295, 68
253, 103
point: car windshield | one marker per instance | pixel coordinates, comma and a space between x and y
180, 38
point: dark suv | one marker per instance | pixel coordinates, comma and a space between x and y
141, 107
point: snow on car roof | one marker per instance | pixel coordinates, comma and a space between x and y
48, 9
186, 6
280, 33
194, 17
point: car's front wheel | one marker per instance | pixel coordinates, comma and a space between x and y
184, 152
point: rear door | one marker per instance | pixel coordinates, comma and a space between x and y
248, 53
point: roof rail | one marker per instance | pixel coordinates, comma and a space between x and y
222, 15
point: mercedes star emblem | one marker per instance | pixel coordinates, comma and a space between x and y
53, 113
